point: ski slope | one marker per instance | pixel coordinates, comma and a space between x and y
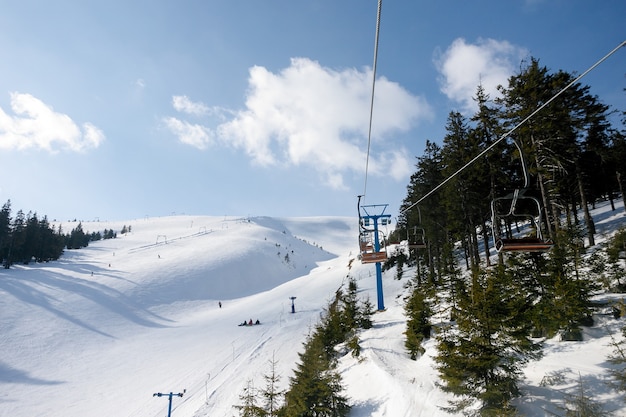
100, 331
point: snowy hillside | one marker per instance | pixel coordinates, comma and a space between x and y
100, 331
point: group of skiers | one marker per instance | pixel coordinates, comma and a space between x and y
245, 323
250, 323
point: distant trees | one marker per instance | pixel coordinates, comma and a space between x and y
27, 237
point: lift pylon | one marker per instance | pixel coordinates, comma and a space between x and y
370, 217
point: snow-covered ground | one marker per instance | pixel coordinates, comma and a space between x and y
100, 331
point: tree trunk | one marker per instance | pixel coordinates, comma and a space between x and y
486, 240
591, 228
621, 188
544, 199
544, 196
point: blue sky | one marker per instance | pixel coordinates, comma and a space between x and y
124, 109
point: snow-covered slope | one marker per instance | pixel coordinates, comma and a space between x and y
100, 331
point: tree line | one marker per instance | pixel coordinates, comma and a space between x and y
27, 237
567, 157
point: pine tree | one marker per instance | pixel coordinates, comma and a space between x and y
618, 360
418, 325
315, 389
351, 310
367, 310
18, 237
464, 196
5, 231
272, 396
566, 298
481, 360
249, 405
581, 405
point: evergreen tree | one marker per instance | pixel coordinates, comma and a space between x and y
32, 240
465, 195
418, 325
272, 396
367, 310
18, 237
77, 238
617, 156
52, 243
315, 389
481, 360
618, 359
428, 175
617, 246
566, 298
351, 310
5, 231
487, 130
581, 405
249, 406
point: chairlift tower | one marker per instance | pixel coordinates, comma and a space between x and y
170, 395
373, 216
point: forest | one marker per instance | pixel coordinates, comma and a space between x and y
526, 203
28, 238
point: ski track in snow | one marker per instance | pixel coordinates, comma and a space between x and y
100, 331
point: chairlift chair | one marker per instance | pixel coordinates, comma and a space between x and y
417, 240
369, 254
368, 239
516, 206
533, 243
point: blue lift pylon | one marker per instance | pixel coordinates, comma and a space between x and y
370, 217
170, 395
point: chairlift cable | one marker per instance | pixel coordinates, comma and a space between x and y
507, 134
369, 133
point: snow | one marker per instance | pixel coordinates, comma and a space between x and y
100, 331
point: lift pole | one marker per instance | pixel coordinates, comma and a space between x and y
170, 395
375, 219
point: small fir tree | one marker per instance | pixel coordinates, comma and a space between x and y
249, 404
418, 326
272, 396
581, 405
618, 360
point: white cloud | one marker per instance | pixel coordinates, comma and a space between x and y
488, 63
190, 134
37, 125
314, 116
184, 105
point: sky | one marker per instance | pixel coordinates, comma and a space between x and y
121, 110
